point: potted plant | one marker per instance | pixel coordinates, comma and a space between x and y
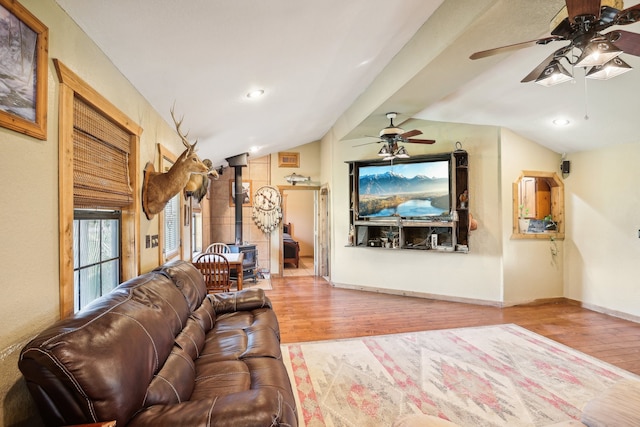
390, 240
549, 223
523, 221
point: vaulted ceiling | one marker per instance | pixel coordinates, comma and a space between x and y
316, 59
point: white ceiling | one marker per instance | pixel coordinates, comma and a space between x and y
315, 58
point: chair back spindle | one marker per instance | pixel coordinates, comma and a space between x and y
214, 267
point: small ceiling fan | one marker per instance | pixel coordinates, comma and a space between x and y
582, 28
392, 136
392, 133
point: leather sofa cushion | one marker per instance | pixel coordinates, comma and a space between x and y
205, 315
156, 293
218, 378
191, 339
262, 317
187, 279
256, 407
174, 382
241, 335
135, 325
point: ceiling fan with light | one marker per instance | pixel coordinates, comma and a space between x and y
582, 28
392, 136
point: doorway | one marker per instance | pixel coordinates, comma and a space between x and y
300, 210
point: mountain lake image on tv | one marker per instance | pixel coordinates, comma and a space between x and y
408, 190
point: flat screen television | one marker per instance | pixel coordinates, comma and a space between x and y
416, 189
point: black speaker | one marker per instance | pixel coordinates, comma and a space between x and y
565, 167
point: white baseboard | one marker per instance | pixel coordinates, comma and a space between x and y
417, 294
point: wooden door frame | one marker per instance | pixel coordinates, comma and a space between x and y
282, 189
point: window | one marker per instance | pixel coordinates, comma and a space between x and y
196, 230
171, 230
172, 227
98, 169
96, 255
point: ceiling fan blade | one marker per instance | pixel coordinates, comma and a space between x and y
366, 143
628, 15
627, 41
420, 141
512, 47
583, 7
410, 133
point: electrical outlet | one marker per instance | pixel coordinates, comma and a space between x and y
148, 241
154, 241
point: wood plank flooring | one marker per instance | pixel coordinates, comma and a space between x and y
309, 309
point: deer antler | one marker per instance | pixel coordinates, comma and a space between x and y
159, 187
183, 137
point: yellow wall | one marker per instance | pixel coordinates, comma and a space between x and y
475, 276
530, 270
310, 165
602, 245
29, 220
299, 211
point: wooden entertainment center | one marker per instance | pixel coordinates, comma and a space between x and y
447, 232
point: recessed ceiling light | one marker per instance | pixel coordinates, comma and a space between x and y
561, 122
255, 94
254, 149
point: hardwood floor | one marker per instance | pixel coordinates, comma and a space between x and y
309, 309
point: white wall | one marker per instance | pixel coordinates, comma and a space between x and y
602, 249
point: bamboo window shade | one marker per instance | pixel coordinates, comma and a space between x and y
100, 160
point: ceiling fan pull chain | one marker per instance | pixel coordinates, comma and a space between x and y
586, 100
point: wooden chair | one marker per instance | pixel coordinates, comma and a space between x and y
215, 270
218, 248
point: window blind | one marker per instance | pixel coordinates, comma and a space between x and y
100, 160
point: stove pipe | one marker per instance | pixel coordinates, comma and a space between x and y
238, 162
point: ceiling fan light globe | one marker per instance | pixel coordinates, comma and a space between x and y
384, 151
597, 53
611, 69
402, 153
554, 74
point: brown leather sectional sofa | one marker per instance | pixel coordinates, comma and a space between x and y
157, 351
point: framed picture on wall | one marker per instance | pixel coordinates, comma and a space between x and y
23, 70
246, 193
288, 160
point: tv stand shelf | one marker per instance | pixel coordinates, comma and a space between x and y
442, 233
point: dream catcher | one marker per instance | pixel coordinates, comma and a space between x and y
267, 212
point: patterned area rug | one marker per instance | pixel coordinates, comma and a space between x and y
487, 376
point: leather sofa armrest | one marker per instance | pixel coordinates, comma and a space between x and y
244, 300
260, 407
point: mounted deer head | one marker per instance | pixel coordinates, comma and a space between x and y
159, 187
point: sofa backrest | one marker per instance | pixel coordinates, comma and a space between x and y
188, 279
98, 364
